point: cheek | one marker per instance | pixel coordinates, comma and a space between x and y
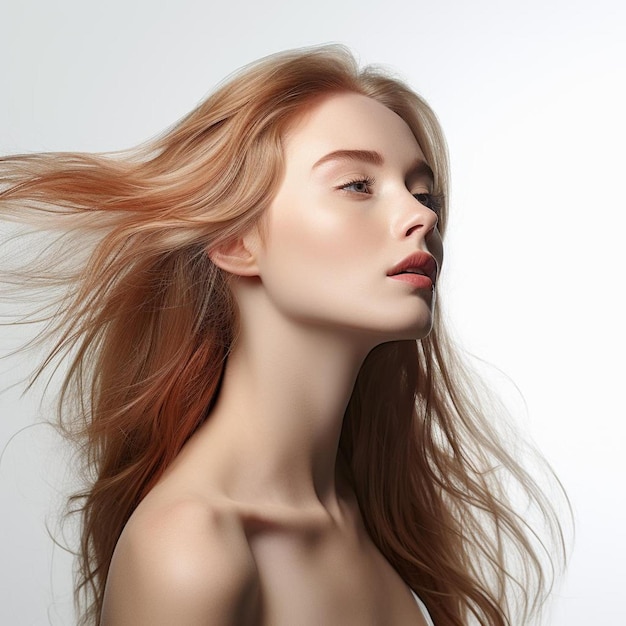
435, 247
315, 254
302, 232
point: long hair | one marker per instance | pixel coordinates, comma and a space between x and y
144, 322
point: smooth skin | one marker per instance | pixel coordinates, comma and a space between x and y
255, 524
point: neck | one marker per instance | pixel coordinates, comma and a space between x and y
279, 414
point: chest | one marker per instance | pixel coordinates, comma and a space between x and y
330, 579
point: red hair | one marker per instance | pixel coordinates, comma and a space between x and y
146, 321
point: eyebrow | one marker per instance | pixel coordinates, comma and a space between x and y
420, 168
366, 156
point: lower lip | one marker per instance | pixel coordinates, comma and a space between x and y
416, 280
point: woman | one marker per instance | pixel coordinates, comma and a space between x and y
279, 430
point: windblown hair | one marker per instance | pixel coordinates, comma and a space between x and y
144, 322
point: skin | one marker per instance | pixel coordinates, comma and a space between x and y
254, 522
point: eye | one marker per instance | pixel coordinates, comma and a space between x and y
431, 201
359, 185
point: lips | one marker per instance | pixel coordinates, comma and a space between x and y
417, 263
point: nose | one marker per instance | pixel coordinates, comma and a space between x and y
413, 216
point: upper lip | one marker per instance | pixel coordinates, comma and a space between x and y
417, 261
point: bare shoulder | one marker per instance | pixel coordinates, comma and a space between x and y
185, 563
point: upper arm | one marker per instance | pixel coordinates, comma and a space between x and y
184, 566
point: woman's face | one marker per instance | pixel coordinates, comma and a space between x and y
353, 205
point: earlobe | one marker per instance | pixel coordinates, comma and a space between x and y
236, 257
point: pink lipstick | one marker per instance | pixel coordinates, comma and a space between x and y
418, 269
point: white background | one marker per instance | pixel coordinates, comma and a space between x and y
531, 96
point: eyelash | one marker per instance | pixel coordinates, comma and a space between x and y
367, 181
431, 201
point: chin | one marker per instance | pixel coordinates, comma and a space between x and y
414, 331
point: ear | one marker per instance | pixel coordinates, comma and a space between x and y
237, 256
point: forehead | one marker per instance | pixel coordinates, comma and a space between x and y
349, 121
